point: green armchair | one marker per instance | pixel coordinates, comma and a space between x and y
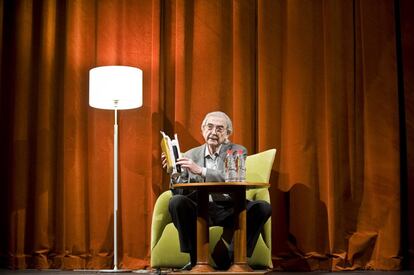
165, 245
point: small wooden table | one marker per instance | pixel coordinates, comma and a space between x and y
238, 190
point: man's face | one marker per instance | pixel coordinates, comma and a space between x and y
215, 130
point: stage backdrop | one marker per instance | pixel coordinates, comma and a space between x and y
329, 84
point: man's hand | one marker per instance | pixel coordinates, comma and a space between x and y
190, 165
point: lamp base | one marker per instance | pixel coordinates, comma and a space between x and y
114, 270
103, 270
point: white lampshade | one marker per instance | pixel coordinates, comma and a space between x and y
115, 87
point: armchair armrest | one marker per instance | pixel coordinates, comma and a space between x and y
161, 217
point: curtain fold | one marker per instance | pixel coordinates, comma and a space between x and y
320, 81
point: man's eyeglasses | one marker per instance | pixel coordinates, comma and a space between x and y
219, 128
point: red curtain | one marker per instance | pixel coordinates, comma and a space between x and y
329, 84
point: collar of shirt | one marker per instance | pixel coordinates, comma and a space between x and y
207, 153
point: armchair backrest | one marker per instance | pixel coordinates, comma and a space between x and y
259, 166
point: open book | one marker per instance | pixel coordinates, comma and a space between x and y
171, 149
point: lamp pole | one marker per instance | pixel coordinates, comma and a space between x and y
116, 186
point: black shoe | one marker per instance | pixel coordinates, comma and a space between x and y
221, 256
187, 266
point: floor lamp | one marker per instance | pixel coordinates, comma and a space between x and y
115, 88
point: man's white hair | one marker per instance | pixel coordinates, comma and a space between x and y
229, 124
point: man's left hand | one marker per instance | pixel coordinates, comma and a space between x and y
190, 165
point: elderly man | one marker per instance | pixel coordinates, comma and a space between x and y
205, 163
